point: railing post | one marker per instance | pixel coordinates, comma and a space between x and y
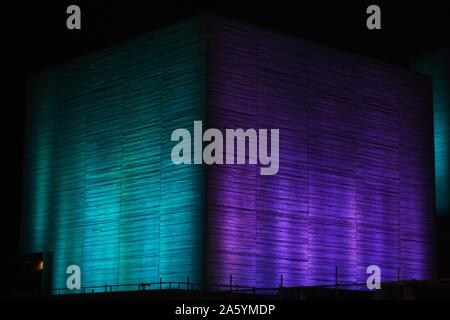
398, 274
281, 280
160, 283
336, 277
231, 282
106, 288
336, 282
187, 283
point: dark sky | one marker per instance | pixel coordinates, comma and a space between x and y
36, 38
408, 27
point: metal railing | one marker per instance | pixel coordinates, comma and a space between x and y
161, 285
232, 287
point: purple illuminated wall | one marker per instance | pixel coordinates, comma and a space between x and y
355, 185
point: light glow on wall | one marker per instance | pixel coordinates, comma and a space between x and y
436, 65
103, 193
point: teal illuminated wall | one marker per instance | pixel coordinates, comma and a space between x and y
436, 65
101, 190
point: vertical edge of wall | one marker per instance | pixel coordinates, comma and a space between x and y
183, 211
436, 65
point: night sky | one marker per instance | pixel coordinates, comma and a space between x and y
36, 38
